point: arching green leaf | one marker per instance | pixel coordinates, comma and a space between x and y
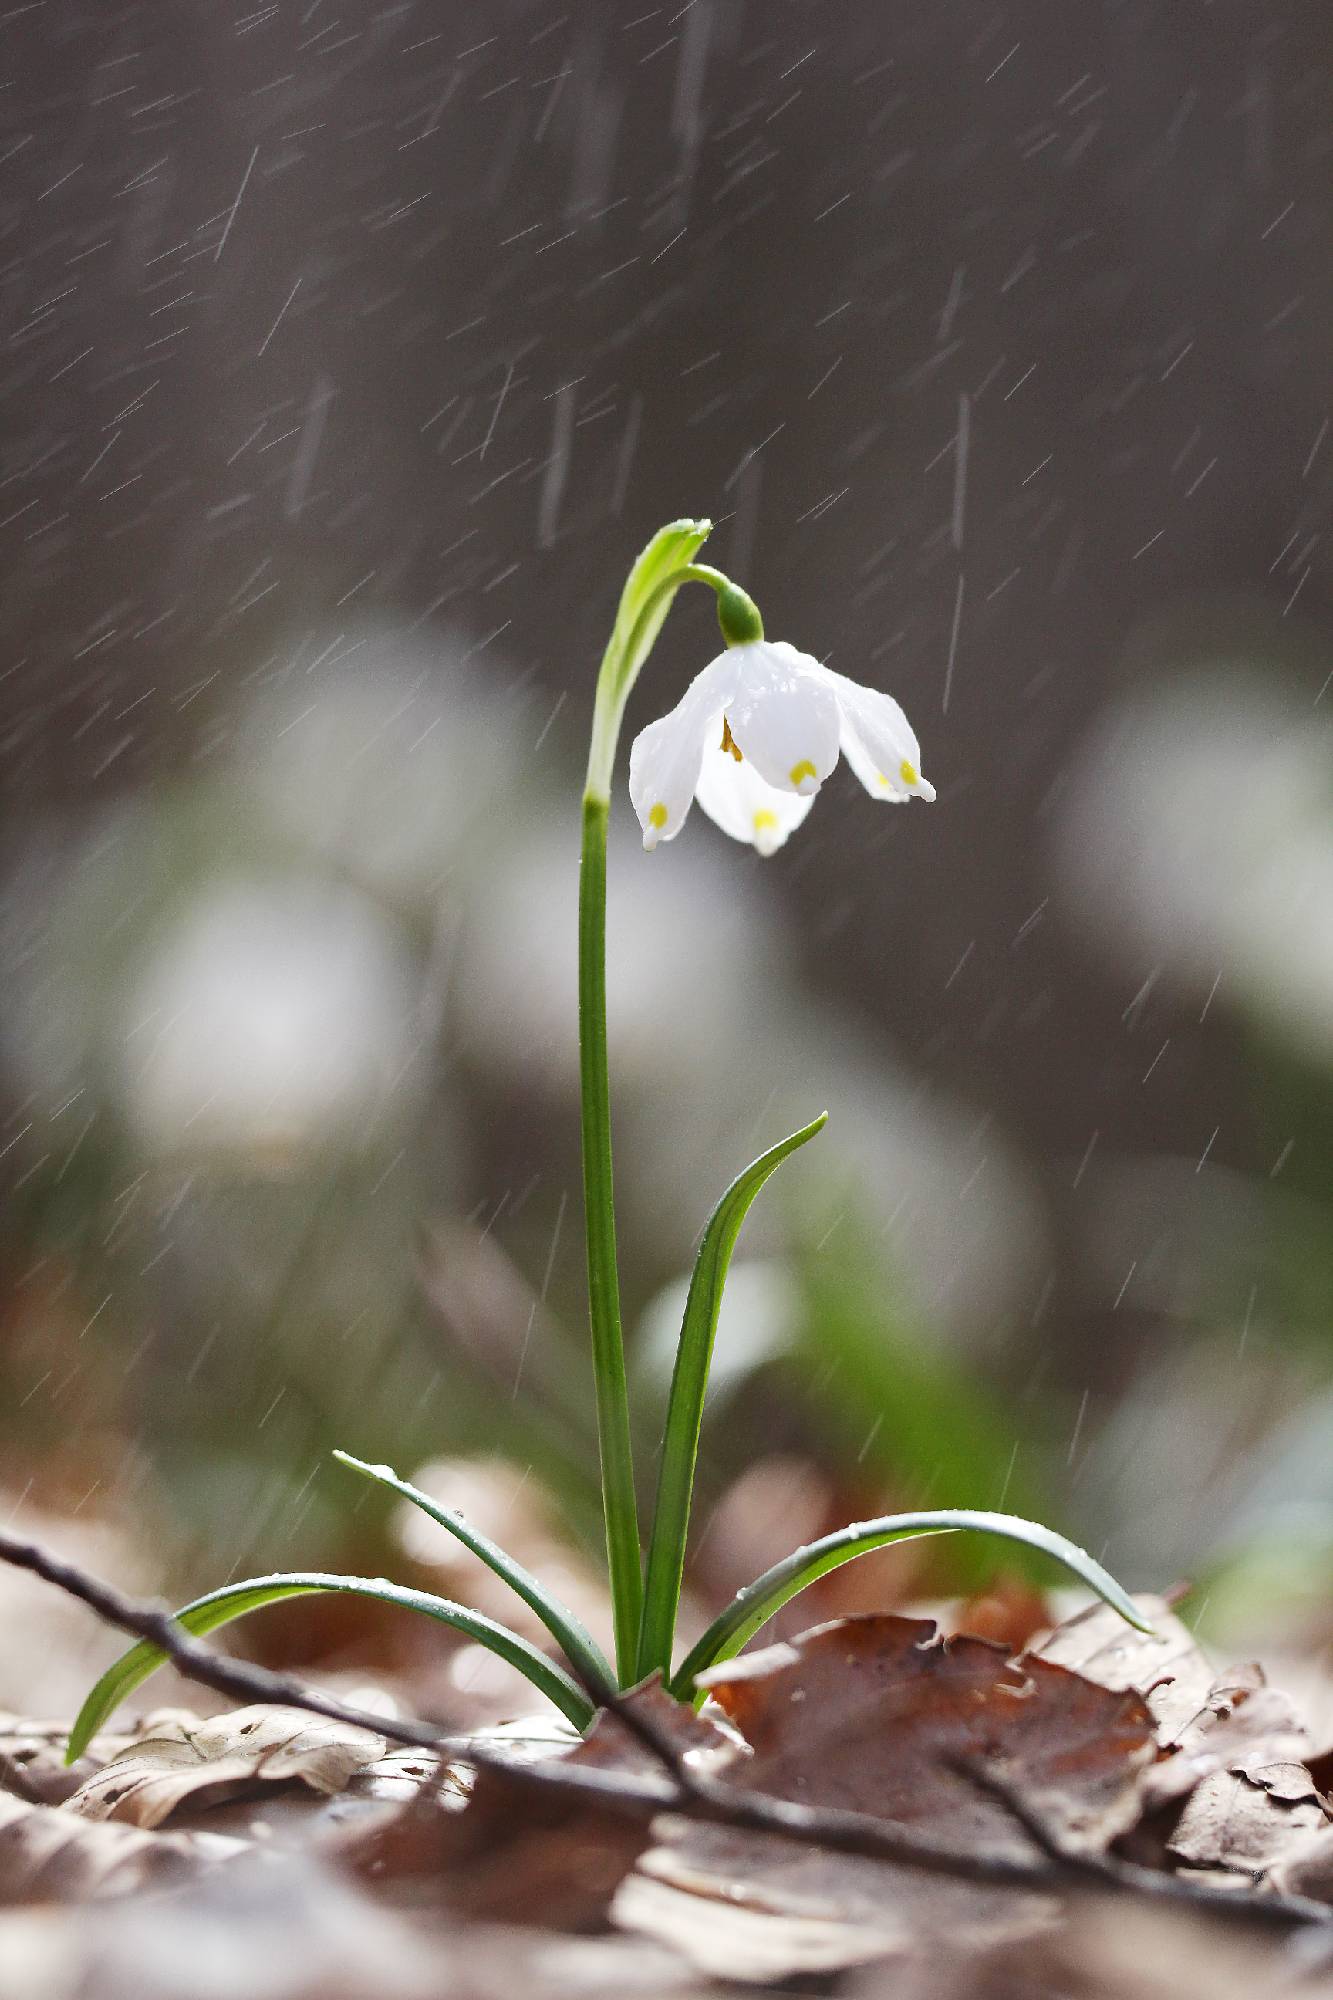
689, 1386
755, 1605
234, 1600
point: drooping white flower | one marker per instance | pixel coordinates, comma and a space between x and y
753, 738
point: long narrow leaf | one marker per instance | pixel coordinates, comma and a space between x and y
755, 1605
580, 1648
234, 1600
689, 1386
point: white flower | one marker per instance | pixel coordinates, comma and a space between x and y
754, 737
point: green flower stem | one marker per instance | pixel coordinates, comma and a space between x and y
620, 1511
661, 569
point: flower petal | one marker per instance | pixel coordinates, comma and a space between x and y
665, 757
879, 743
744, 805
784, 715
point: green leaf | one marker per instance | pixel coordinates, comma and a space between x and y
689, 1384
755, 1605
580, 1648
234, 1600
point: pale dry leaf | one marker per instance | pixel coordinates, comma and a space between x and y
504, 1960
257, 1930
732, 1940
1247, 1818
37, 1748
397, 1777
207, 1762
1306, 1869
1105, 1949
296, 1931
49, 1855
1241, 1723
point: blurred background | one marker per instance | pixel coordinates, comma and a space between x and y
351, 353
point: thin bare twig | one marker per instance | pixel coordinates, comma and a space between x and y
196, 1661
680, 1788
858, 1834
1112, 1871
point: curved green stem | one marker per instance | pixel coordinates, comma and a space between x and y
666, 563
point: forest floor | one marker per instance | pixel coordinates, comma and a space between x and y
869, 1808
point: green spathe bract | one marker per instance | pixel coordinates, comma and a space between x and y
644, 1607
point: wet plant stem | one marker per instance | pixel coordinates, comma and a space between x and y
664, 566
619, 1507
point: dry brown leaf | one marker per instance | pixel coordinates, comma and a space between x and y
875, 1713
1249, 1817
1242, 1721
870, 1714
519, 1856
208, 1762
1232, 1748
49, 1855
1165, 1666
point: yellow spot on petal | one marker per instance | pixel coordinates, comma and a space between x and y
658, 815
765, 821
909, 773
729, 742
800, 772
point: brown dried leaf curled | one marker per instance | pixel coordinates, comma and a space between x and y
880, 1715
1166, 1666
875, 1714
